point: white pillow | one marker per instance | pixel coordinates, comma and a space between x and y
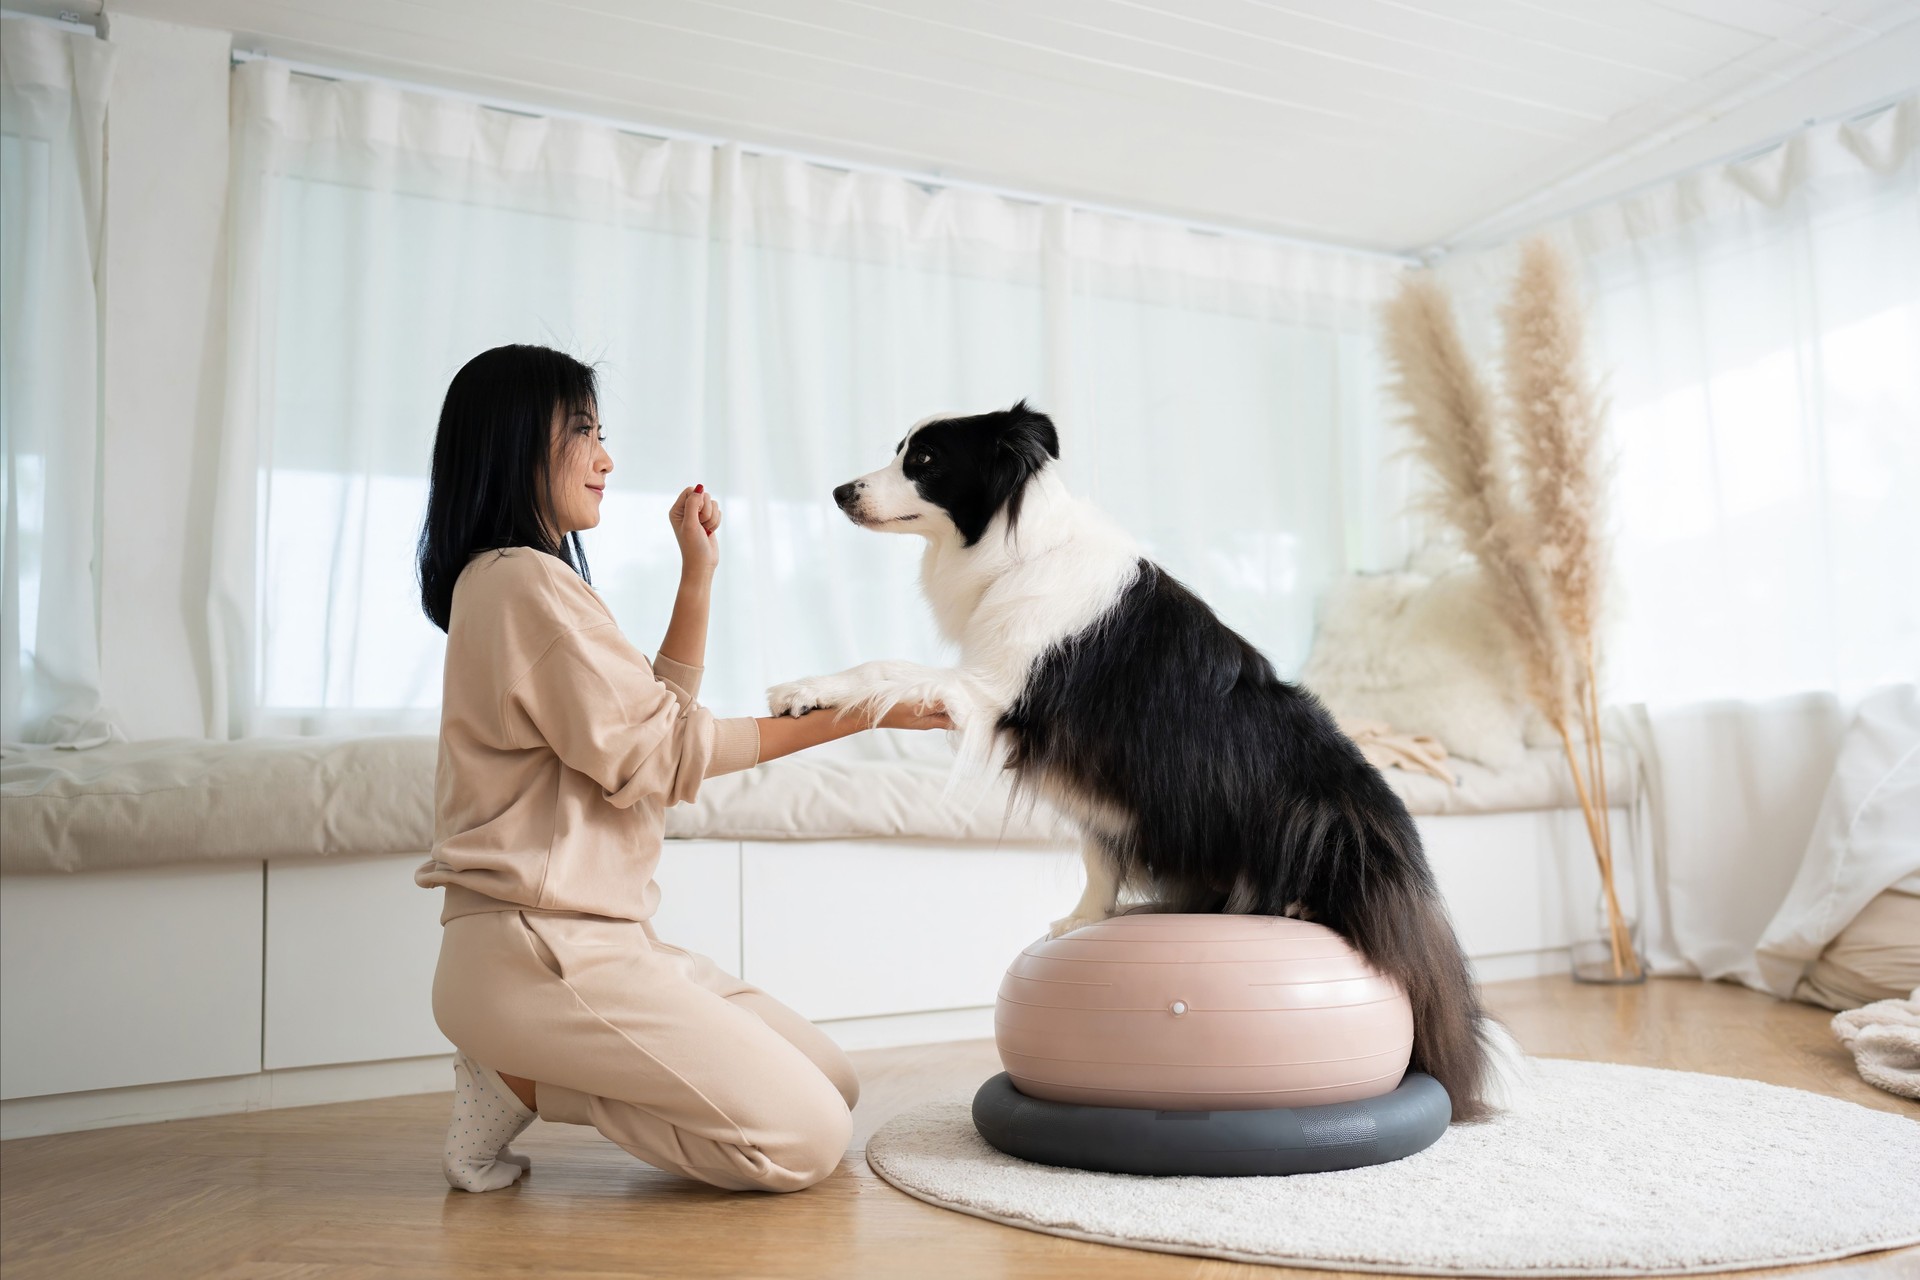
1427, 655
1865, 840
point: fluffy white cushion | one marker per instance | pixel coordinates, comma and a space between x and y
1427, 655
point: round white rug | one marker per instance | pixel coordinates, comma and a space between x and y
1606, 1170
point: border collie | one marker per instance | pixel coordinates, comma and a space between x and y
1198, 779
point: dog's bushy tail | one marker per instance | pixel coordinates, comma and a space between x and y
1400, 924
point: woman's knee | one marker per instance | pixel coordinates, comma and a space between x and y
813, 1149
839, 1069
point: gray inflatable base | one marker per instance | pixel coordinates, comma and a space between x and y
1341, 1135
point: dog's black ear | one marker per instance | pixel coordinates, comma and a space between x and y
1027, 443
1031, 435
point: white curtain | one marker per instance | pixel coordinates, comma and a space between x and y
765, 326
1759, 327
1758, 324
53, 98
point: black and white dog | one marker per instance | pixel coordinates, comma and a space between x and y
1198, 778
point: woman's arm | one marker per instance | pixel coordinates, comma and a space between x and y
695, 517
686, 638
784, 735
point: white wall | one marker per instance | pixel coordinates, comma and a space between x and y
164, 288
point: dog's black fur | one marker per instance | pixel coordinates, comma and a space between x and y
1242, 794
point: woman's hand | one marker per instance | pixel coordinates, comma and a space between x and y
910, 717
695, 517
784, 735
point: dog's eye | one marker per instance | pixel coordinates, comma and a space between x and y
921, 459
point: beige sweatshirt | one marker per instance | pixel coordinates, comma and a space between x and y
560, 747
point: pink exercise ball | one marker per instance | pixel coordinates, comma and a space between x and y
1201, 1013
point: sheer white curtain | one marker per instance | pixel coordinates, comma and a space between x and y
1759, 326
763, 325
1224, 398
53, 98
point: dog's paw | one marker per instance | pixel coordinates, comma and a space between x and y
797, 697
1067, 924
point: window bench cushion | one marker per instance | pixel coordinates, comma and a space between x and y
140, 804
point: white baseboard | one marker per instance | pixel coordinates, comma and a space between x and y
1520, 964
263, 1091
890, 1031
358, 1081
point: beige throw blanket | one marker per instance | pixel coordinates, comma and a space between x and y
1884, 1038
1385, 747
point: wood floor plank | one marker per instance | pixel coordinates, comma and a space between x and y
355, 1189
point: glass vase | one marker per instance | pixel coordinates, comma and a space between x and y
1590, 958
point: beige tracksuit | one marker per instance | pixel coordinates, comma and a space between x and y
560, 749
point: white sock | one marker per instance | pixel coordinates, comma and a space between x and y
486, 1117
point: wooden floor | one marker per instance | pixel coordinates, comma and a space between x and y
355, 1189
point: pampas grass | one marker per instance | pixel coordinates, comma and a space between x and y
1557, 418
1528, 501
1455, 436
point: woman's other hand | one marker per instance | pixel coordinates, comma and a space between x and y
695, 517
911, 717
784, 735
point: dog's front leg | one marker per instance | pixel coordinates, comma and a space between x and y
875, 687
1102, 893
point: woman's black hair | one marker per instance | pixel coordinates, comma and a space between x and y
491, 463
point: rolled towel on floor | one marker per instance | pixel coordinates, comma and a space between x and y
1884, 1038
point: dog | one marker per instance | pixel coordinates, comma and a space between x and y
1197, 778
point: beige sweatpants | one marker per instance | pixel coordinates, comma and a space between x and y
685, 1066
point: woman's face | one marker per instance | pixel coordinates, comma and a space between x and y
579, 470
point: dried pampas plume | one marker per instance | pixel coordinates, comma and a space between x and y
1451, 418
1541, 553
1557, 419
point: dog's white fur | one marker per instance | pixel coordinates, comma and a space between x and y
1004, 601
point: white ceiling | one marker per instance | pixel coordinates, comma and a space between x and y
1392, 124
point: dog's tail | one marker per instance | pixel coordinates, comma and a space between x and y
1400, 925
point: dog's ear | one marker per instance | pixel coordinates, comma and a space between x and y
1027, 443
1031, 436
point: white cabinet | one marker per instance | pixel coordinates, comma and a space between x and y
220, 973
351, 948
859, 928
352, 944
123, 978
1523, 883
700, 899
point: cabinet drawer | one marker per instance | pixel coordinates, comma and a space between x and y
119, 978
851, 929
351, 948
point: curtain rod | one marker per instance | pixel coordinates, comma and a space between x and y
1463, 243
918, 178
67, 21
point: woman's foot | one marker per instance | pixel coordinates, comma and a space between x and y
486, 1117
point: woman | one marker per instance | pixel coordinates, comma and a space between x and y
560, 749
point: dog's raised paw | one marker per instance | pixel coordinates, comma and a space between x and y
1067, 924
796, 698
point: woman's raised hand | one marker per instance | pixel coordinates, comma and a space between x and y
695, 517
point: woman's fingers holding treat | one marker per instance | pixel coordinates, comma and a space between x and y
688, 516
695, 503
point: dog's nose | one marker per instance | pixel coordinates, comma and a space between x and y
846, 492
